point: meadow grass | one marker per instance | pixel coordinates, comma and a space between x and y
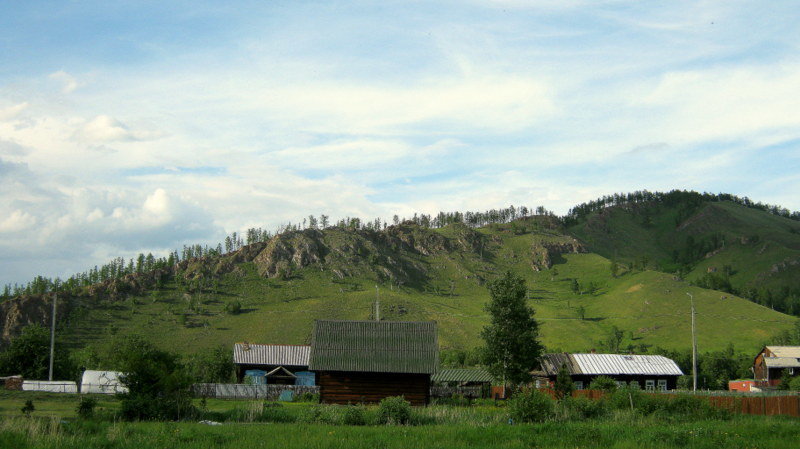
627, 432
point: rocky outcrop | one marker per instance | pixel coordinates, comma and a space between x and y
24, 310
298, 249
542, 253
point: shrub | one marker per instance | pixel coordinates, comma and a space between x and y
583, 408
354, 415
28, 408
86, 406
394, 410
530, 406
307, 397
603, 383
233, 308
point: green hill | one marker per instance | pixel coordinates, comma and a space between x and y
716, 244
421, 274
607, 277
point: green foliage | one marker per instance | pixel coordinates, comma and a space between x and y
794, 384
233, 307
28, 408
531, 406
86, 406
512, 345
564, 385
307, 397
29, 356
394, 410
354, 415
211, 365
603, 383
581, 408
157, 383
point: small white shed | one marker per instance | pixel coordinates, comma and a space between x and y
52, 386
102, 382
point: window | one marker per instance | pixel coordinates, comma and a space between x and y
635, 385
621, 384
578, 385
662, 384
650, 385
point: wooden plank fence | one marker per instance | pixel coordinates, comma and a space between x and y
240, 391
746, 405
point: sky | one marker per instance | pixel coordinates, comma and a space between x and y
141, 126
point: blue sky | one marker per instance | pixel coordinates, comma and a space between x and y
147, 125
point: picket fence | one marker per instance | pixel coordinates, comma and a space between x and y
240, 391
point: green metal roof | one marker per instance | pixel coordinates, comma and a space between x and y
462, 375
374, 346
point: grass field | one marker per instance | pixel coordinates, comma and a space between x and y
54, 425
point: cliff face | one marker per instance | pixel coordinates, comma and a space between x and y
542, 253
24, 310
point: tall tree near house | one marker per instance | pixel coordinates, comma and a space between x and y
512, 345
564, 385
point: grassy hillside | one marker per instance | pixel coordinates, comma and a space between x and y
716, 244
424, 274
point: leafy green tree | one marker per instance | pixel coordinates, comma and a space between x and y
603, 383
564, 386
158, 386
29, 356
512, 345
212, 365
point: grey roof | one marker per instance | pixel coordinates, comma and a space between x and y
375, 346
610, 364
462, 375
782, 362
552, 363
785, 351
282, 355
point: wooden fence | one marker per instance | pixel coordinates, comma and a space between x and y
440, 391
240, 391
745, 405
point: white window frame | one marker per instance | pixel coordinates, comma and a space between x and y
662, 384
650, 385
578, 384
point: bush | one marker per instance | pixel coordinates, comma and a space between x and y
354, 415
583, 408
394, 410
530, 406
86, 406
28, 408
307, 397
233, 308
603, 383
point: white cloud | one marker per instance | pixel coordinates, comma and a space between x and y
17, 221
69, 82
104, 128
11, 112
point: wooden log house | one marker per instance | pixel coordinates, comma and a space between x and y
366, 361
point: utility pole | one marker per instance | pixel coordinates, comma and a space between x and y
377, 305
694, 349
52, 337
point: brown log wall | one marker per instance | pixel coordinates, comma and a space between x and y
337, 387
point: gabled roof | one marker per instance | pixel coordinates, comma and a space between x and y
374, 346
287, 355
462, 375
610, 364
785, 351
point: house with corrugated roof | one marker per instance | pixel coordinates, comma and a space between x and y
272, 364
770, 363
366, 361
648, 372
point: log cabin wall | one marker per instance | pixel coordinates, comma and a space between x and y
343, 387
